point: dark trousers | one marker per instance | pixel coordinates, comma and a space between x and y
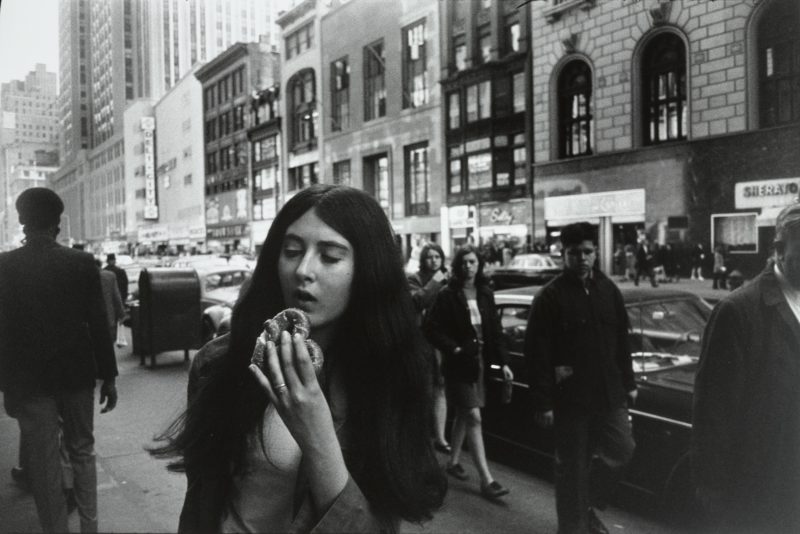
645, 271
41, 421
592, 451
720, 280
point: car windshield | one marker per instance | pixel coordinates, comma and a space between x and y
666, 334
532, 262
225, 279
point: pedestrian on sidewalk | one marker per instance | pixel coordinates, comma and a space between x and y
122, 276
698, 260
581, 380
425, 285
54, 344
645, 262
282, 450
720, 269
745, 429
115, 311
463, 324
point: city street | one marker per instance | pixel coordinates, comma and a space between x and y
137, 494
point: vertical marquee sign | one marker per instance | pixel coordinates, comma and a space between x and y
150, 195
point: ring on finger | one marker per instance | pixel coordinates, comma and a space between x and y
281, 387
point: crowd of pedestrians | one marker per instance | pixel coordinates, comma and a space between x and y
352, 446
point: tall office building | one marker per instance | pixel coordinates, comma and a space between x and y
74, 88
174, 35
28, 139
114, 53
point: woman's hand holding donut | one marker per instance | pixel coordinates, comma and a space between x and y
292, 387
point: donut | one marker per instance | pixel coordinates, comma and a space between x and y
293, 321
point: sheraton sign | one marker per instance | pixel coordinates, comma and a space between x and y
766, 193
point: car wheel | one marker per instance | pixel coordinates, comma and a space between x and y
209, 332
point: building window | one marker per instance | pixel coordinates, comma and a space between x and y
415, 72
264, 179
187, 179
779, 64
340, 94
479, 164
211, 163
664, 89
300, 41
417, 179
575, 109
518, 92
520, 158
374, 81
460, 52
303, 108
512, 34
341, 172
454, 175
238, 117
453, 111
485, 43
479, 101
302, 176
265, 149
376, 179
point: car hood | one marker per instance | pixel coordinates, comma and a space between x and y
679, 378
224, 295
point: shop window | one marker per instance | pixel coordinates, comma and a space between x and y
575, 109
340, 94
779, 63
417, 179
415, 71
664, 89
374, 81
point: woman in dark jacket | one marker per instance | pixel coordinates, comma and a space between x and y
425, 284
464, 326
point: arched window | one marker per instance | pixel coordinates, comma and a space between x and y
779, 63
576, 126
663, 70
303, 109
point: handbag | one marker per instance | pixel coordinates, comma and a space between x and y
121, 340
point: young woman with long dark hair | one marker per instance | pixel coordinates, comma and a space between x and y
282, 450
464, 325
425, 284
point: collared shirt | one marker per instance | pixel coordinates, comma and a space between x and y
791, 294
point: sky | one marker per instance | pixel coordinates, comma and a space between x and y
28, 35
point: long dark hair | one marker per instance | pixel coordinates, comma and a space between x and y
457, 268
423, 256
386, 377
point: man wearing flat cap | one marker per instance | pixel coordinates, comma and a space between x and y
54, 345
746, 422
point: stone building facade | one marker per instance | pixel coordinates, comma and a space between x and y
656, 113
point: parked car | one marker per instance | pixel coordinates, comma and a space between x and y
525, 270
666, 327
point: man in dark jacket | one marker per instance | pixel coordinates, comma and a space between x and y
581, 379
746, 430
54, 344
122, 276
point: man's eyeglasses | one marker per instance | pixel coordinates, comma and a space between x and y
579, 251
